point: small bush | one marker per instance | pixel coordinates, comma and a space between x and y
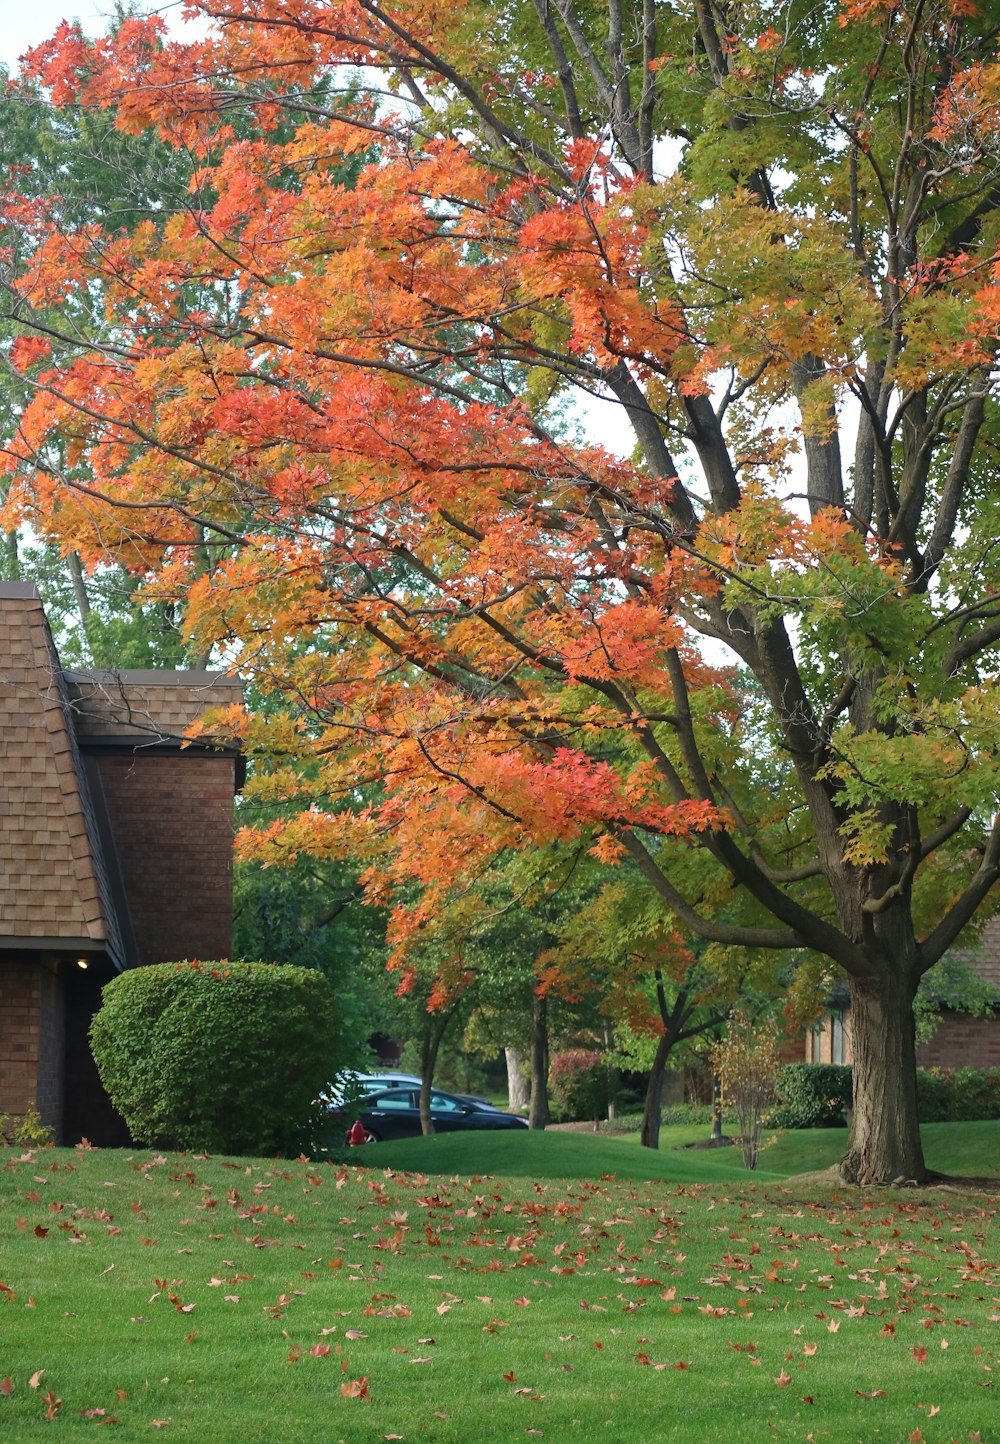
26, 1129
686, 1114
812, 1095
580, 1084
221, 1057
746, 1064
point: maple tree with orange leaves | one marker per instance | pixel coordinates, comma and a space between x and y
758, 659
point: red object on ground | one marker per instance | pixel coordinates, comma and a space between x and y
357, 1134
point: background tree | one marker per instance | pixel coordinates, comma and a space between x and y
766, 236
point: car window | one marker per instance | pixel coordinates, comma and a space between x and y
385, 1102
441, 1104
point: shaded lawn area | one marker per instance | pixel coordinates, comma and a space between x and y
961, 1149
213, 1299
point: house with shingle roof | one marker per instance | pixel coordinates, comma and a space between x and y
115, 851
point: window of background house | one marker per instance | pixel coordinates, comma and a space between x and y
838, 1038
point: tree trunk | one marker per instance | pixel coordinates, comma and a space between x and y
10, 571
614, 1076
715, 1136
435, 1030
75, 567
517, 1083
885, 1134
538, 1115
649, 1135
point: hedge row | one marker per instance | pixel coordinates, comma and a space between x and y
817, 1095
958, 1095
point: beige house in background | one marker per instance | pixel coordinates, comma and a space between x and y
115, 851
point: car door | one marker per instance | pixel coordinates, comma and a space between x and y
392, 1114
447, 1114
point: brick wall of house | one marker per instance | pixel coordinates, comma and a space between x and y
962, 1042
19, 991
31, 1040
172, 818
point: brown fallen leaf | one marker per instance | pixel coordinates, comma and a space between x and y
35, 1379
782, 1380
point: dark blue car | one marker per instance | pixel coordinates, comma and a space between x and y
395, 1113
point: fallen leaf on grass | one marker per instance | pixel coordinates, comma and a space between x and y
355, 1388
35, 1379
782, 1380
6, 1387
920, 1354
875, 1394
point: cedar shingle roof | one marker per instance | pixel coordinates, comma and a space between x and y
148, 706
55, 888
52, 881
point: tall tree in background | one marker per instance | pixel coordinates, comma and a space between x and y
765, 235
88, 171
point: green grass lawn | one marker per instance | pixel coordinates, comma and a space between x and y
569, 1285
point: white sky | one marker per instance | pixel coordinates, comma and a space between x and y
24, 23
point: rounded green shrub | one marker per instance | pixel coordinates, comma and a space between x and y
217, 1057
812, 1095
580, 1084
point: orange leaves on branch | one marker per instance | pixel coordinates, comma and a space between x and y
27, 351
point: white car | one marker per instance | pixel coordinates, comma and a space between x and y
350, 1084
